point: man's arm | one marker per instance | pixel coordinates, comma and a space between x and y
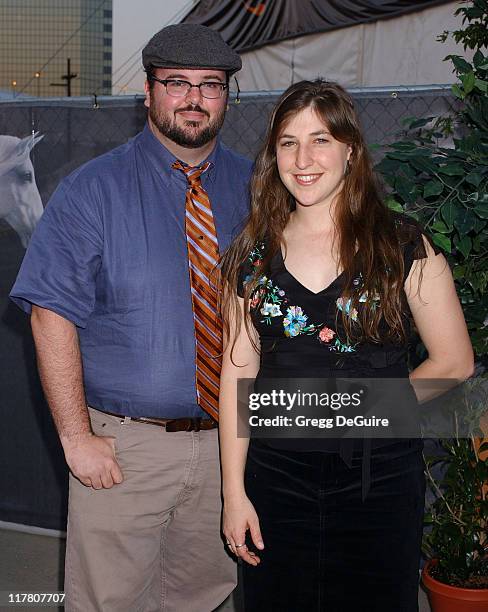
90, 458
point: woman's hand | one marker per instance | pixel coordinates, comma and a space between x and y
238, 517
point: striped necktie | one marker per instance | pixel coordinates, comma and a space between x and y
203, 255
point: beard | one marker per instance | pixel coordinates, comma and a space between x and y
190, 135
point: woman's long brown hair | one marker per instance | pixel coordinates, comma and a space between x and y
366, 239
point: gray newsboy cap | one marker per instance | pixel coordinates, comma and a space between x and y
190, 45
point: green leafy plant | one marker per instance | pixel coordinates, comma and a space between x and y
444, 186
437, 172
458, 517
475, 19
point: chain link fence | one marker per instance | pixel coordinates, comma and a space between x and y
78, 129
74, 131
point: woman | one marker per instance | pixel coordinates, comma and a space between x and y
329, 280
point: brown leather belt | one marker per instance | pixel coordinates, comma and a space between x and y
172, 425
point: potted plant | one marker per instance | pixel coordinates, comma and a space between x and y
456, 576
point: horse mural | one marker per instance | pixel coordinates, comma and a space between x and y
20, 202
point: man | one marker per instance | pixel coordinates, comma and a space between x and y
120, 288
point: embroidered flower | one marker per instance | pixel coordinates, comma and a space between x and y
264, 281
271, 310
341, 347
294, 321
326, 334
364, 296
345, 306
257, 254
256, 298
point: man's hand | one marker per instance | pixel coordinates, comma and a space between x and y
92, 460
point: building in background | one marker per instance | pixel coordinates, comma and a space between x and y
38, 37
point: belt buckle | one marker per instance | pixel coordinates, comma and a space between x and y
185, 424
172, 426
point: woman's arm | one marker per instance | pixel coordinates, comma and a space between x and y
240, 360
439, 318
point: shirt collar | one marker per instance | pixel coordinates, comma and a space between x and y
164, 159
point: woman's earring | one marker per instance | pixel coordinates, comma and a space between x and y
347, 168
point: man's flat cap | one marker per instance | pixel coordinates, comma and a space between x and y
190, 45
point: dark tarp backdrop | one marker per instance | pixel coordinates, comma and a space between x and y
249, 24
33, 475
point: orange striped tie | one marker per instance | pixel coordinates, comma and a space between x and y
203, 255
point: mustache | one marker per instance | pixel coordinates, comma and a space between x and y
192, 108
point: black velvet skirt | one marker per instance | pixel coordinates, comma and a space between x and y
326, 550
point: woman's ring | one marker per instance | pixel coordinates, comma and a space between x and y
240, 545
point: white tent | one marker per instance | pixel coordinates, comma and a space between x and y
352, 45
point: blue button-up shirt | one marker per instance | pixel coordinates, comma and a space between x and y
110, 255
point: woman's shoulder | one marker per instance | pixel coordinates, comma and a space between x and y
411, 235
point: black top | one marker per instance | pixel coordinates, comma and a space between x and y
301, 332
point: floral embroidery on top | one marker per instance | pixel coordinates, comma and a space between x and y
326, 335
271, 310
342, 347
255, 258
295, 323
270, 297
272, 301
345, 306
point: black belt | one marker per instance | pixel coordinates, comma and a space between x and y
172, 425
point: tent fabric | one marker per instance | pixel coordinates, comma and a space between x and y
249, 24
397, 51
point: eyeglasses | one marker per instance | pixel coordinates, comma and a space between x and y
179, 89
